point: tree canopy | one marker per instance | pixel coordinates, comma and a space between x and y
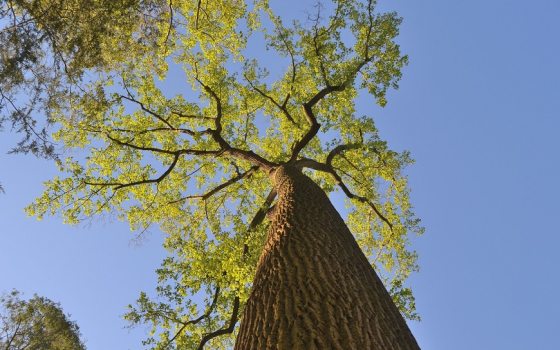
36, 324
171, 116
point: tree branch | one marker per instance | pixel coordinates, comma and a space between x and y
195, 152
27, 124
197, 13
293, 62
370, 29
181, 130
313, 164
257, 219
145, 109
318, 53
222, 331
216, 189
340, 149
216, 133
170, 21
261, 213
328, 89
308, 108
281, 107
197, 320
191, 116
118, 186
9, 342
314, 128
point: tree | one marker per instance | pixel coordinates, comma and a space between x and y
36, 324
236, 164
45, 47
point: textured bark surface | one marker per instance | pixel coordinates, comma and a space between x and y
314, 288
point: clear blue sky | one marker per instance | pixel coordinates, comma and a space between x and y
478, 107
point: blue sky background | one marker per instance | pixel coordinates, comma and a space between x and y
478, 108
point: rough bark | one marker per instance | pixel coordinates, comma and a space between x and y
314, 288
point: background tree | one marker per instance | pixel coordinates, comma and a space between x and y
45, 48
36, 324
207, 159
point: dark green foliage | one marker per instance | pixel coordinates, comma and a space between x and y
36, 324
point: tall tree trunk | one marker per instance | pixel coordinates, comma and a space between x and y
314, 288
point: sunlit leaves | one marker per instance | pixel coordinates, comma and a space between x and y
182, 161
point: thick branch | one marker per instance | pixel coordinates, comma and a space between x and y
309, 135
216, 133
308, 108
261, 213
340, 149
312, 119
252, 157
222, 331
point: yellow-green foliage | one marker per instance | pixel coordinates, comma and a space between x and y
132, 131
